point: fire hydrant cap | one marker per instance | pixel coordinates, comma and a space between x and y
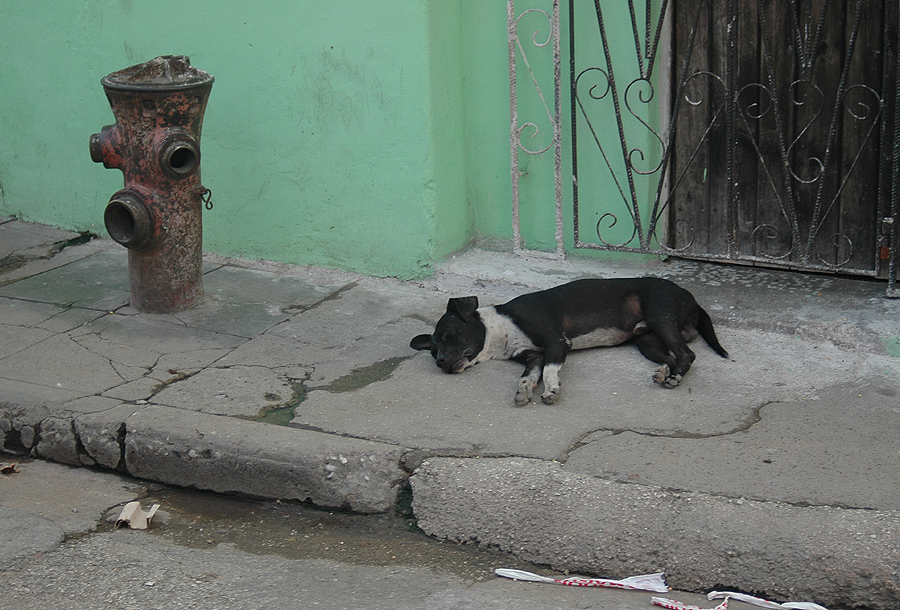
165, 73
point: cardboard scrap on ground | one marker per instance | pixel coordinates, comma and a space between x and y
135, 517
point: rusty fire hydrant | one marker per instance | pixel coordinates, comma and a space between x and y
155, 141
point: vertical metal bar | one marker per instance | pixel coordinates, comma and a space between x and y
557, 127
892, 290
553, 114
574, 120
513, 123
557, 131
730, 123
885, 141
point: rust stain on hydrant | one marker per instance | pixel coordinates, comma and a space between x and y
155, 142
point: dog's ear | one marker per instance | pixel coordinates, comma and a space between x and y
464, 307
421, 342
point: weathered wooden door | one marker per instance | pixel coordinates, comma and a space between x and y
777, 142
783, 147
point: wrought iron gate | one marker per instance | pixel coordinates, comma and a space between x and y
776, 140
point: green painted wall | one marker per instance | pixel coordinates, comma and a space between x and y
331, 137
487, 116
371, 136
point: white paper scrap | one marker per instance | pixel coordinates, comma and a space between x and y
671, 604
643, 582
764, 603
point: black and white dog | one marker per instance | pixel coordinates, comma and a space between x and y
539, 329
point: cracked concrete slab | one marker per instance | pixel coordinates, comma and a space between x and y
246, 302
157, 335
16, 392
97, 282
18, 338
127, 357
364, 323
28, 239
61, 362
803, 452
23, 313
606, 389
286, 355
35, 490
237, 391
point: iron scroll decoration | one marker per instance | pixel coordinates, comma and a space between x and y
792, 169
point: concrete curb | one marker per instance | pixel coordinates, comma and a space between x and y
215, 453
531, 508
540, 513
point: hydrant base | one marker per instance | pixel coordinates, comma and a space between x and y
169, 288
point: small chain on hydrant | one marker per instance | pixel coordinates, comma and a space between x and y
206, 198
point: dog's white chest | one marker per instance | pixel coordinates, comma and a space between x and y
600, 337
503, 339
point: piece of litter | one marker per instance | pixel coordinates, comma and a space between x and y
764, 603
671, 604
135, 517
643, 582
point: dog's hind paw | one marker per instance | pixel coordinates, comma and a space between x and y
524, 392
663, 376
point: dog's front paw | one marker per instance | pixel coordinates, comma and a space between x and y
550, 396
524, 392
664, 377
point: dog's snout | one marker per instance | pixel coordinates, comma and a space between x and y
445, 366
449, 361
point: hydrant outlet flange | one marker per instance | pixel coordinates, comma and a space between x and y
128, 220
179, 156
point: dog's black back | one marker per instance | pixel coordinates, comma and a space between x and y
581, 306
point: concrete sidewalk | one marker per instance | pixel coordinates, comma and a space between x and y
774, 472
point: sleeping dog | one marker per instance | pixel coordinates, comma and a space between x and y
539, 329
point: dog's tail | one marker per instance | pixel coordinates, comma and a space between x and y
705, 328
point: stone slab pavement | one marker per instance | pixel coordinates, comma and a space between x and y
773, 472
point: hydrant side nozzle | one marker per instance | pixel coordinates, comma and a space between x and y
96, 145
128, 221
103, 148
179, 155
